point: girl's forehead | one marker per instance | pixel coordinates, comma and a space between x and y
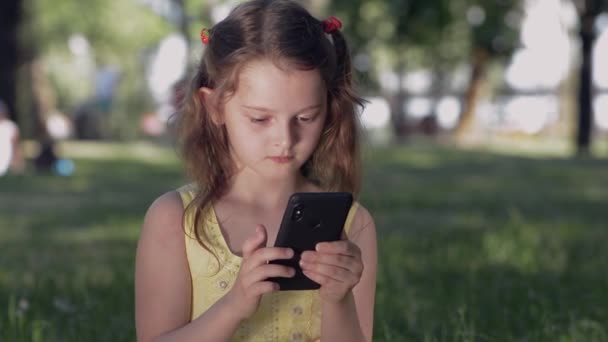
264, 82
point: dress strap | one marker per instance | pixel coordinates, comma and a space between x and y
186, 192
350, 217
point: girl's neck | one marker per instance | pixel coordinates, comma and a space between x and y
266, 194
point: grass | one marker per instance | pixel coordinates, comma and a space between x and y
474, 246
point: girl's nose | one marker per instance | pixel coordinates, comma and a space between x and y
285, 135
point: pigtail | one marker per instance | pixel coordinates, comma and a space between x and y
343, 63
340, 140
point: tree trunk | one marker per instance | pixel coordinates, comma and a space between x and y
397, 112
43, 99
585, 94
478, 71
10, 17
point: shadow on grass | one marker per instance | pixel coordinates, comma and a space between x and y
438, 188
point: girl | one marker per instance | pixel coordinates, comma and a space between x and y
270, 112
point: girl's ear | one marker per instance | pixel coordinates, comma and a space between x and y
208, 98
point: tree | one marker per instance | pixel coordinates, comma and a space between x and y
588, 11
493, 35
10, 18
400, 29
419, 25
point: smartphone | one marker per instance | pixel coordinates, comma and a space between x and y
309, 218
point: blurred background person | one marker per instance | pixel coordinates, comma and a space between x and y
11, 155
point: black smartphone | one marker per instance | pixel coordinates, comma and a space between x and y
309, 218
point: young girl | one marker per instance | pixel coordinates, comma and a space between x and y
271, 111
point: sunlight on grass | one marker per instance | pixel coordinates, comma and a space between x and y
527, 248
142, 151
541, 146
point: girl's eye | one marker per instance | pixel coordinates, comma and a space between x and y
257, 120
305, 118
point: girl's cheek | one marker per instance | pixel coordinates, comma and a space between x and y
247, 131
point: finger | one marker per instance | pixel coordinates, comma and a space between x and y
263, 255
344, 247
268, 271
317, 278
254, 242
332, 272
263, 287
351, 263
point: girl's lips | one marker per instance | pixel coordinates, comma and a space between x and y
281, 159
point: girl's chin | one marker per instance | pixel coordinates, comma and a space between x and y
286, 174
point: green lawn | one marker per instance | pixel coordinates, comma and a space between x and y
474, 246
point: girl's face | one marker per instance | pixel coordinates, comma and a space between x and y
275, 119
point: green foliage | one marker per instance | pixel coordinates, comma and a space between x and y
115, 29
419, 22
433, 33
119, 34
474, 246
395, 22
498, 34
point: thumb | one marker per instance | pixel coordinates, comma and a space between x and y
256, 241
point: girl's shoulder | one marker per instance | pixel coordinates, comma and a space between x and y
163, 219
172, 202
362, 225
167, 203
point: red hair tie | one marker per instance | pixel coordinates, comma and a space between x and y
331, 24
204, 36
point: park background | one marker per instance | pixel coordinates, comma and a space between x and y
485, 157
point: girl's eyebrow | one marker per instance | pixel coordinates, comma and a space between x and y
267, 110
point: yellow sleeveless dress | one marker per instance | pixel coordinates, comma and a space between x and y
281, 316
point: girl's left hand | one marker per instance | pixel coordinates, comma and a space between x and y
336, 266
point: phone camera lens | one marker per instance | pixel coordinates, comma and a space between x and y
298, 213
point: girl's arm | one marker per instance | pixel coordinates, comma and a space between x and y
352, 318
163, 284
163, 287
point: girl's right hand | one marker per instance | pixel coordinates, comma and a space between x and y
251, 283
